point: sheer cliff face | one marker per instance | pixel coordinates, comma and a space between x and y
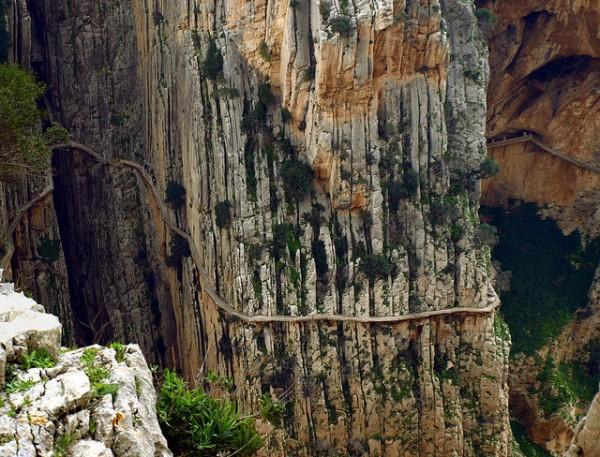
386, 103
545, 67
545, 62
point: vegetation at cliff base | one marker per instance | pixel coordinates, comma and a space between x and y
197, 424
525, 447
23, 149
551, 275
565, 383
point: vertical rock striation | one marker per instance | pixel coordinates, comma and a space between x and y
385, 103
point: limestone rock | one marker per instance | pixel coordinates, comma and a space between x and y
46, 409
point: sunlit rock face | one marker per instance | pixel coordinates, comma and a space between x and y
384, 102
545, 78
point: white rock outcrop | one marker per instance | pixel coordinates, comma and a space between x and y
93, 402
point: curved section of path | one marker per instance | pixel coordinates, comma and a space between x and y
492, 300
529, 138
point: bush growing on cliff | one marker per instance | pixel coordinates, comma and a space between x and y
376, 266
264, 51
485, 15
175, 194
180, 248
212, 65
223, 213
297, 179
489, 167
340, 24
197, 424
23, 151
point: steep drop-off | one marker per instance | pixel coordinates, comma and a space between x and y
385, 102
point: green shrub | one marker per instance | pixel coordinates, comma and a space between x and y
264, 51
119, 349
22, 151
197, 424
340, 24
297, 179
485, 15
16, 385
284, 236
223, 213
40, 358
180, 249
489, 167
271, 410
63, 445
376, 266
265, 94
320, 256
527, 447
324, 10
49, 250
175, 194
212, 65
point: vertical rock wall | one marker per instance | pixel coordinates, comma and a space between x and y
390, 115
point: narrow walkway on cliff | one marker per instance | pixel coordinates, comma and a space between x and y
492, 299
528, 137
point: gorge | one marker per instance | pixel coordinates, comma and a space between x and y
287, 194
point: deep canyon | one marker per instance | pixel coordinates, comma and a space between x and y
301, 197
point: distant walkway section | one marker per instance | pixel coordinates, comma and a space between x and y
534, 139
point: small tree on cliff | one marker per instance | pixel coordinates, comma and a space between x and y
23, 150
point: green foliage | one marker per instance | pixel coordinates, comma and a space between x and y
264, 51
376, 266
485, 15
212, 65
265, 94
324, 10
551, 275
284, 235
49, 250
527, 447
180, 249
297, 179
22, 150
63, 444
97, 374
565, 383
340, 24
175, 194
223, 213
119, 349
40, 358
320, 256
271, 410
489, 167
196, 424
18, 385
